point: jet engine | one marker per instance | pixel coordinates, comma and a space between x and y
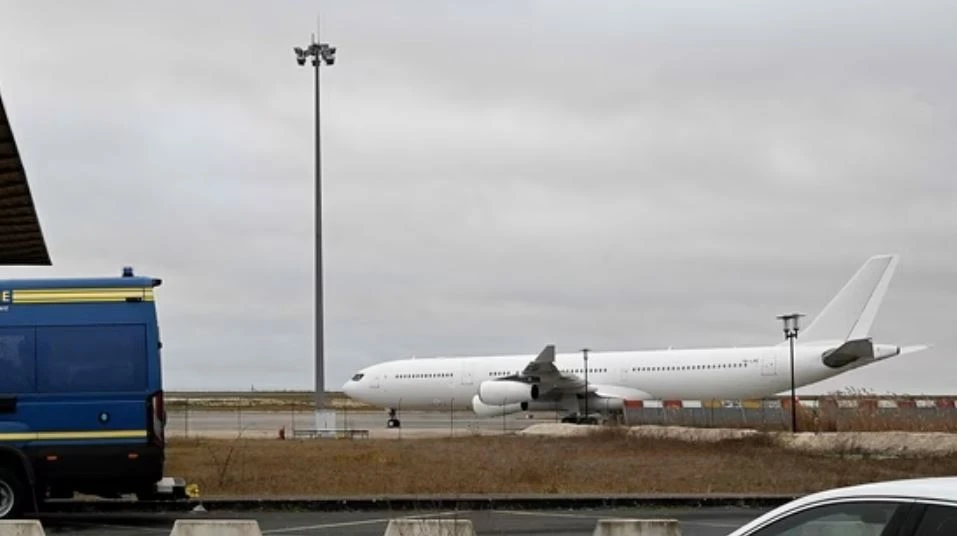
490, 410
498, 393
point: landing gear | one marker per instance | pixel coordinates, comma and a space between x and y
393, 421
580, 419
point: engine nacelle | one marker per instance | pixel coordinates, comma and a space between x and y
488, 410
499, 393
605, 404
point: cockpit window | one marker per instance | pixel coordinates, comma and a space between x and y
357, 377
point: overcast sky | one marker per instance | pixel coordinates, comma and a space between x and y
497, 175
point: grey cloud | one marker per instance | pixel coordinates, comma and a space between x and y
497, 176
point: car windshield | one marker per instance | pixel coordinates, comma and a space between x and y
851, 518
357, 377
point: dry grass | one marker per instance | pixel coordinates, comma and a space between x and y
608, 462
259, 401
828, 418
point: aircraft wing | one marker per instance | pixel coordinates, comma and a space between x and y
543, 365
552, 382
542, 370
556, 386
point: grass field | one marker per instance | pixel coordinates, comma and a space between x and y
606, 462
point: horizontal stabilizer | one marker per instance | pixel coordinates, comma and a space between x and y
915, 348
848, 353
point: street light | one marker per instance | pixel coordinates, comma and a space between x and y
791, 333
585, 354
319, 52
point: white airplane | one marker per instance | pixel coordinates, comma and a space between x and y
838, 340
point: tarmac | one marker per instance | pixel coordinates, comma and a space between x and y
233, 423
694, 521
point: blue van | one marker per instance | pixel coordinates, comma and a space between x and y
81, 390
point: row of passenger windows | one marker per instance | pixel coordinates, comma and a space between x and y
564, 371
496, 374
689, 367
424, 375
71, 359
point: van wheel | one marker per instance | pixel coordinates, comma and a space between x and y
12, 494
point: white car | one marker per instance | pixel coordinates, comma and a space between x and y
912, 507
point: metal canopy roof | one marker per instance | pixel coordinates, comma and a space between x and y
21, 239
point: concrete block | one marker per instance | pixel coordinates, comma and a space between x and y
430, 527
21, 527
637, 527
216, 527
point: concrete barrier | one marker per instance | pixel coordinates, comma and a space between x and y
637, 527
430, 527
216, 527
21, 527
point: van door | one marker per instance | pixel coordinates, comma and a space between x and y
18, 384
11, 426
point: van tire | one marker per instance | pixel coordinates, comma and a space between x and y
11, 484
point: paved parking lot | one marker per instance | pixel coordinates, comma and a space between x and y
695, 522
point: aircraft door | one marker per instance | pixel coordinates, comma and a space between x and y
769, 364
374, 380
466, 373
623, 375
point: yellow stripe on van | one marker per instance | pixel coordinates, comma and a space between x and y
53, 436
79, 295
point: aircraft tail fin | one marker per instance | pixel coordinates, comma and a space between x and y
850, 314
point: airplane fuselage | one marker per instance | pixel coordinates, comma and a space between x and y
837, 340
687, 374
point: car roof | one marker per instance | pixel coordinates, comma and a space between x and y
943, 489
939, 488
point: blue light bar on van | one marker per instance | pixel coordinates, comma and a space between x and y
127, 271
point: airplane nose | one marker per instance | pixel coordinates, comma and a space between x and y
348, 387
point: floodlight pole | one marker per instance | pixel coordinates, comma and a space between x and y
320, 53
790, 333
